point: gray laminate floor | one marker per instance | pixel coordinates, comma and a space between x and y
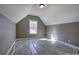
40, 47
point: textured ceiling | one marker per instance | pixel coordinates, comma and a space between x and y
50, 14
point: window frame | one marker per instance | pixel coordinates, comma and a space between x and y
36, 26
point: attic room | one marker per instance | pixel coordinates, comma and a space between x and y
39, 29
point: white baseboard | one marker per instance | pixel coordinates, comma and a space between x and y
13, 52
10, 48
69, 45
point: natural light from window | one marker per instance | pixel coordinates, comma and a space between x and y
33, 26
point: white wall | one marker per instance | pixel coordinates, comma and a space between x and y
7, 34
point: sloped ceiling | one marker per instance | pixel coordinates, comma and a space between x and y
15, 12
50, 14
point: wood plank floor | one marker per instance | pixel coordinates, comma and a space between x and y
40, 47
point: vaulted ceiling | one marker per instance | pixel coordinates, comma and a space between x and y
15, 12
50, 14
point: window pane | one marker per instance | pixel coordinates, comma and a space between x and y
33, 27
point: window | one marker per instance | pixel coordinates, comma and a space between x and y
33, 27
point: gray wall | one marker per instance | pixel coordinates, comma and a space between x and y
7, 34
22, 28
65, 32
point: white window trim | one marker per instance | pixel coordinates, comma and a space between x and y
36, 26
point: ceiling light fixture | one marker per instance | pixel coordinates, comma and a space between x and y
42, 5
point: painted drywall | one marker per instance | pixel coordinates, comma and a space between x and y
50, 14
57, 13
68, 33
7, 34
22, 28
15, 12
